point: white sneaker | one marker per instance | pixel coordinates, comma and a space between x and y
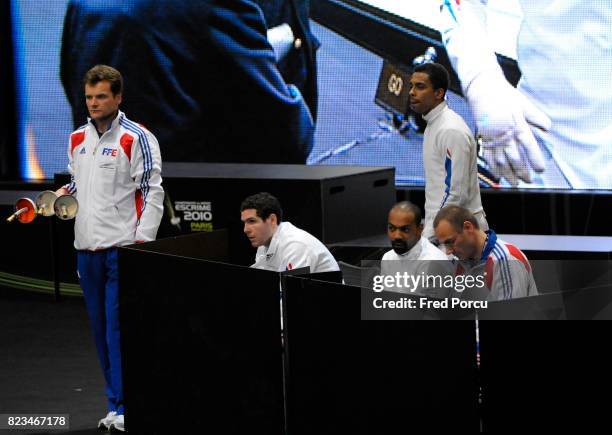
118, 425
106, 422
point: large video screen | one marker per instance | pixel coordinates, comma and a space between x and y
562, 49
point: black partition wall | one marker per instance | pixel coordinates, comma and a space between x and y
345, 375
549, 377
201, 343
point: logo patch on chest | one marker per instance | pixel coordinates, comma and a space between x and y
109, 152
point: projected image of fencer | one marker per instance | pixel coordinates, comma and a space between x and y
560, 112
205, 76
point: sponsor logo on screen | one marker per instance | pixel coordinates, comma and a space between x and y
197, 213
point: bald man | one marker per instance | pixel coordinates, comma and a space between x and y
412, 253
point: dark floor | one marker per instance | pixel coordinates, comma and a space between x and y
48, 362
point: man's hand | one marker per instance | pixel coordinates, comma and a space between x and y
504, 118
503, 115
62, 191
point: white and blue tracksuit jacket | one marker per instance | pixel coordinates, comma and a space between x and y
451, 173
506, 271
116, 179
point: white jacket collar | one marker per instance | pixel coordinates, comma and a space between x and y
415, 252
114, 123
435, 112
270, 250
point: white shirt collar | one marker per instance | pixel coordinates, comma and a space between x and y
415, 252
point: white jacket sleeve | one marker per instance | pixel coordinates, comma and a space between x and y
146, 173
71, 187
511, 280
457, 147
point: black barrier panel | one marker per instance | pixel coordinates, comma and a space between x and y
545, 377
589, 304
345, 375
211, 246
543, 307
201, 345
335, 276
583, 304
574, 274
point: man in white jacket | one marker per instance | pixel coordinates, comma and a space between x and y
412, 253
115, 166
449, 148
280, 245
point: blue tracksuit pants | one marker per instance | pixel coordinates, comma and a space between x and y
99, 281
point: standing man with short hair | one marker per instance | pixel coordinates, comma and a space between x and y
280, 245
449, 148
505, 269
115, 166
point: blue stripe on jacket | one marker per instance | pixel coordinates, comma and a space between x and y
448, 167
146, 153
